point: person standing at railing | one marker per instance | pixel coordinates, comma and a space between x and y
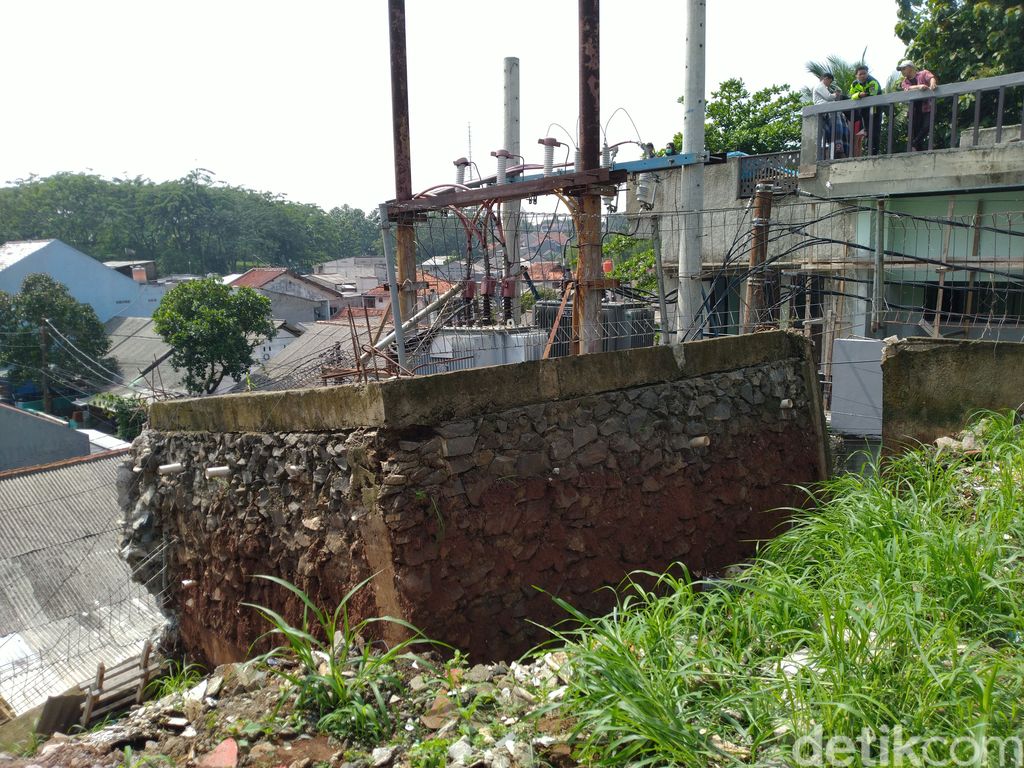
834, 129
863, 86
915, 79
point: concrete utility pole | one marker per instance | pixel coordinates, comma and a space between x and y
405, 243
586, 315
511, 208
690, 300
44, 365
754, 304
878, 281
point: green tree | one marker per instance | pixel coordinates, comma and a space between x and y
963, 39
633, 260
78, 360
844, 72
767, 120
212, 330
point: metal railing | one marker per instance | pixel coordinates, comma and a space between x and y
907, 121
780, 169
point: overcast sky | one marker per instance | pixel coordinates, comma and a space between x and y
294, 97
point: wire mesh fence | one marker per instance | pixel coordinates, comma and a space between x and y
493, 289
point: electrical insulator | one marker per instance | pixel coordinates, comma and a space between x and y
470, 290
579, 161
645, 190
487, 286
460, 170
502, 156
549, 145
606, 156
508, 288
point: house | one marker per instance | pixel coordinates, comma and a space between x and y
28, 438
110, 292
364, 271
430, 288
293, 298
144, 357
546, 274
927, 242
325, 343
70, 602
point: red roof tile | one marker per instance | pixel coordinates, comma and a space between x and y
258, 277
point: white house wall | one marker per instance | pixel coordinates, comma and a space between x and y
107, 291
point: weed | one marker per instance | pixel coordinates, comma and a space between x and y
130, 760
30, 745
894, 602
342, 681
180, 677
432, 753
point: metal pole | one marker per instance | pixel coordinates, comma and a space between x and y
689, 298
662, 305
753, 309
414, 319
878, 283
587, 312
396, 309
405, 244
510, 209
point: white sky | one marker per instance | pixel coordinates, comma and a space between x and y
294, 97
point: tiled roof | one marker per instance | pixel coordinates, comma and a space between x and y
14, 251
68, 600
547, 271
258, 277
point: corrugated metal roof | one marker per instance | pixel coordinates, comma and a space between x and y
137, 347
14, 251
68, 601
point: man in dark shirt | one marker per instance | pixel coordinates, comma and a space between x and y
915, 79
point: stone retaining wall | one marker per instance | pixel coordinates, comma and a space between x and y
462, 519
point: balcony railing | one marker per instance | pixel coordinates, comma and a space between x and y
778, 168
907, 121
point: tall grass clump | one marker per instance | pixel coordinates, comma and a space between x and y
337, 676
895, 602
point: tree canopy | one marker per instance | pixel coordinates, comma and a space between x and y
194, 224
767, 120
77, 359
963, 39
212, 330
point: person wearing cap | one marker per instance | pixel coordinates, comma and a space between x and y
864, 86
823, 93
915, 79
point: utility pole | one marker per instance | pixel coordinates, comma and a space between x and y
586, 315
754, 304
878, 282
690, 301
660, 274
405, 243
44, 366
511, 208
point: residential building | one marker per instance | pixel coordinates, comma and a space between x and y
28, 438
70, 602
143, 357
110, 292
293, 298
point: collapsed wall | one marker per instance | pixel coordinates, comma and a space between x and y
933, 387
463, 495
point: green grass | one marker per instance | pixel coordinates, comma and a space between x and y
343, 679
898, 600
179, 677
